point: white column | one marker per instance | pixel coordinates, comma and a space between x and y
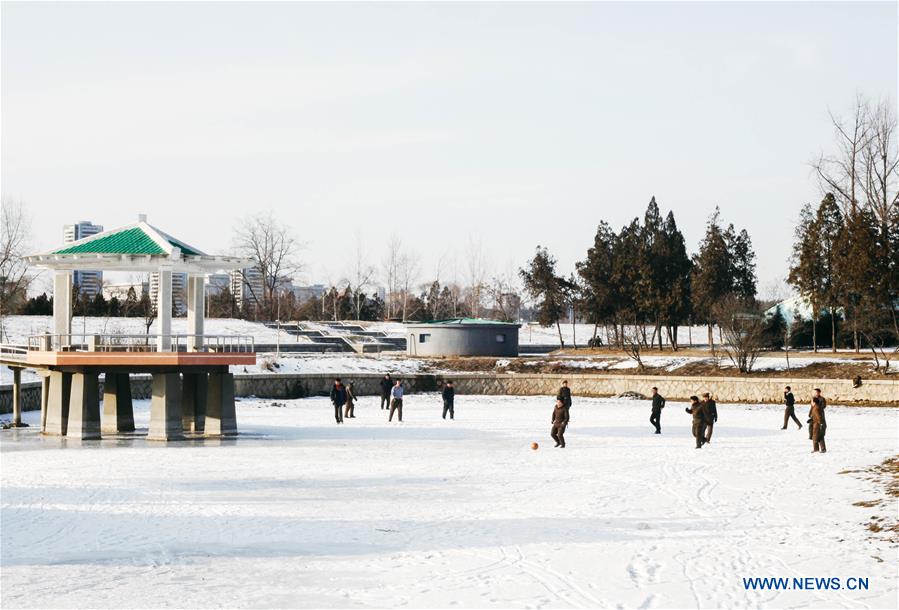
62, 305
196, 310
164, 310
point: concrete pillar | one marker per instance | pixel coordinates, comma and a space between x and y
164, 310
45, 399
16, 397
221, 418
165, 408
84, 407
196, 311
193, 401
58, 404
118, 411
62, 306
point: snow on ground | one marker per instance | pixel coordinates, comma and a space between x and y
300, 512
331, 363
17, 329
672, 363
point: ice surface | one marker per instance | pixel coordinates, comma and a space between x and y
300, 512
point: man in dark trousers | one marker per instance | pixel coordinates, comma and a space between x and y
790, 411
386, 384
658, 403
711, 415
449, 395
396, 400
819, 423
698, 411
338, 399
565, 396
560, 422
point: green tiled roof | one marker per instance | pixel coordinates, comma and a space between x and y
467, 321
185, 249
128, 241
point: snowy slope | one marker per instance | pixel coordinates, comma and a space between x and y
299, 512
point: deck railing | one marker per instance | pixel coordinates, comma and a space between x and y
141, 343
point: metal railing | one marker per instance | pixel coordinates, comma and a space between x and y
9, 352
141, 343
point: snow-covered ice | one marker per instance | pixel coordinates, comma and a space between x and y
300, 512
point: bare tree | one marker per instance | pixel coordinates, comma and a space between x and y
390, 267
274, 248
362, 274
743, 329
15, 235
407, 275
476, 262
842, 172
881, 162
632, 341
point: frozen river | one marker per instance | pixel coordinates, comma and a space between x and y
299, 512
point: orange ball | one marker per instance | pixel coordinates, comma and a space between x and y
534, 446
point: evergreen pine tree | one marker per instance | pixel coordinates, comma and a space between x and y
548, 289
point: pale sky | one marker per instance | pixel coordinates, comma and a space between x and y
509, 124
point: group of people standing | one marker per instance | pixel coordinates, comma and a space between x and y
705, 416
343, 398
704, 412
817, 422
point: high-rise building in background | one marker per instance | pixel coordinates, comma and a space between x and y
216, 283
307, 293
179, 291
89, 283
247, 287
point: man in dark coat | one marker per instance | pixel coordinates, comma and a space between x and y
386, 384
819, 423
790, 411
711, 415
658, 403
564, 395
449, 395
338, 399
698, 411
560, 422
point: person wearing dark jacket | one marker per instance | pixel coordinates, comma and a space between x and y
790, 411
658, 403
350, 407
338, 399
564, 395
711, 415
449, 395
560, 422
819, 423
698, 411
386, 385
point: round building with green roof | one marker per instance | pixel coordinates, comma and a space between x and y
462, 337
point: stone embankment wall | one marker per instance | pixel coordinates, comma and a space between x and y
728, 389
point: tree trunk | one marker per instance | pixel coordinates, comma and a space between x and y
561, 341
814, 332
833, 332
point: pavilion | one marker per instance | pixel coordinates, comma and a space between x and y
192, 388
